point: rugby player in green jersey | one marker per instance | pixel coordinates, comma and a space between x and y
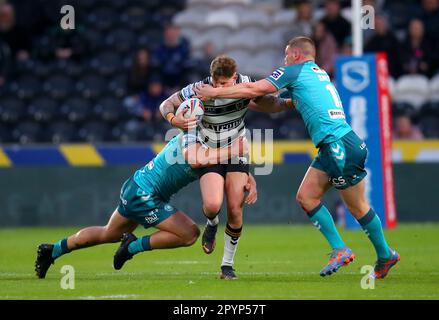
144, 200
342, 154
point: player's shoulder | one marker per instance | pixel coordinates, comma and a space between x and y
242, 78
188, 91
287, 73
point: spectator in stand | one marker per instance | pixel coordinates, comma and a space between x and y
385, 41
346, 49
302, 26
15, 37
430, 18
335, 23
141, 70
69, 44
146, 104
202, 65
173, 58
404, 129
416, 50
326, 48
5, 61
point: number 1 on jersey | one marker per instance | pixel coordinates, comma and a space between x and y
330, 87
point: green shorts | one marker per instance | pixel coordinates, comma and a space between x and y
146, 209
343, 160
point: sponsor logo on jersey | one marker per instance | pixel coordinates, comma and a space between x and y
152, 217
336, 114
318, 70
277, 74
223, 127
338, 182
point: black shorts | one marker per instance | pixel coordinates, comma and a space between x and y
222, 169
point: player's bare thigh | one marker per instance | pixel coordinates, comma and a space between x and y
235, 184
314, 185
180, 225
355, 199
118, 225
212, 192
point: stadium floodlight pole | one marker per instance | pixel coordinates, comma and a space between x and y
357, 32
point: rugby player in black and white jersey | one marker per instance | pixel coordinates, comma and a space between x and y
222, 123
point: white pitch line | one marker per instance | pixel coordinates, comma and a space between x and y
180, 262
113, 296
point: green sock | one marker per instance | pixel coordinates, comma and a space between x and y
60, 248
140, 245
371, 225
322, 219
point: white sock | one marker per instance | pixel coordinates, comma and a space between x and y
231, 238
213, 222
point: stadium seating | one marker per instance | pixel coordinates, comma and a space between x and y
59, 86
28, 132
434, 88
76, 109
43, 109
61, 132
94, 131
60, 100
412, 89
12, 110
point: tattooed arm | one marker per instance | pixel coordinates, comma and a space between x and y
270, 104
167, 109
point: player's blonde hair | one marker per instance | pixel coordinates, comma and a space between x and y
222, 66
306, 44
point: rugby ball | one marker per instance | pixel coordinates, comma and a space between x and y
194, 106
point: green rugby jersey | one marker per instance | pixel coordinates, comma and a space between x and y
315, 98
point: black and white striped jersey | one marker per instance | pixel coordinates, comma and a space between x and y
223, 119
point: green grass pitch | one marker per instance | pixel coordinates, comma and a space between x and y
273, 262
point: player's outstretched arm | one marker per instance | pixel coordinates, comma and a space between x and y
167, 109
242, 90
270, 104
198, 156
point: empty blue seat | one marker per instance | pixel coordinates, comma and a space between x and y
133, 131
109, 109
43, 109
76, 109
92, 86
12, 109
62, 132
102, 18
28, 132
118, 85
26, 86
94, 131
107, 63
120, 40
59, 86
5, 133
